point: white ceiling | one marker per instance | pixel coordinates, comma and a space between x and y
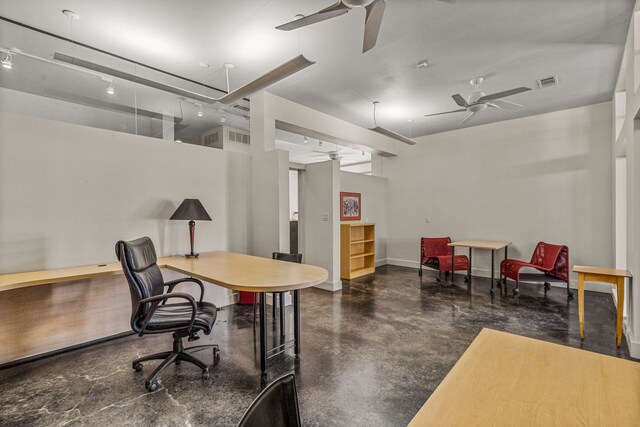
305, 150
509, 42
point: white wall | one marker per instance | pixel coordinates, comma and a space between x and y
373, 190
69, 192
269, 202
319, 239
293, 194
545, 177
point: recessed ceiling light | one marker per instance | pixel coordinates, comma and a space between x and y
228, 66
423, 64
71, 14
409, 120
203, 65
178, 141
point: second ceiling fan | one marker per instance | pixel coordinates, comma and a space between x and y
478, 101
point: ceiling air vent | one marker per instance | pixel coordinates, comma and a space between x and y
547, 81
240, 107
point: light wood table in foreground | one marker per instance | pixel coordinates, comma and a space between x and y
607, 275
509, 380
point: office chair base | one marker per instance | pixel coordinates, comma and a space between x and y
177, 355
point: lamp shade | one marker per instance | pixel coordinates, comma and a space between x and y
191, 209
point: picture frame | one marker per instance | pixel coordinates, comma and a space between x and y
350, 206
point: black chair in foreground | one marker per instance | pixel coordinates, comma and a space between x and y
281, 256
275, 406
151, 315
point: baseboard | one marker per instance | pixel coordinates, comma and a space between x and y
381, 262
330, 286
634, 346
486, 273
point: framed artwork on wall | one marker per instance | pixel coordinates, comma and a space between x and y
350, 207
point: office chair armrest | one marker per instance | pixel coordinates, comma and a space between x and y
155, 301
173, 283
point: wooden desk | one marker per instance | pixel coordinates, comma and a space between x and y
607, 275
491, 245
509, 380
227, 269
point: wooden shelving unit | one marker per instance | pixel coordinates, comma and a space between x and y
357, 249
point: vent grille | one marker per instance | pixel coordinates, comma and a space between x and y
211, 139
547, 82
242, 138
240, 107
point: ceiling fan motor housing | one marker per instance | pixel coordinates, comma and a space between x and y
357, 3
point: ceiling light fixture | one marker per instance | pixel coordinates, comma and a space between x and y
7, 62
110, 89
223, 119
423, 64
285, 70
306, 140
71, 14
203, 65
387, 132
200, 111
319, 143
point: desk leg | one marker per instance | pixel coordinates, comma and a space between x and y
282, 313
296, 321
453, 262
469, 271
263, 332
581, 303
493, 253
620, 287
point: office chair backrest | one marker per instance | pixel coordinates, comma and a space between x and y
138, 259
545, 255
288, 257
275, 406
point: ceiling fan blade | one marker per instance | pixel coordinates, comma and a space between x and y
506, 104
460, 100
285, 70
504, 94
330, 12
392, 134
446, 112
372, 22
469, 117
448, 1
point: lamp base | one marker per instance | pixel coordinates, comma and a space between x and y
191, 255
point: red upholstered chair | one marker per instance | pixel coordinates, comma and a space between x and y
552, 260
435, 253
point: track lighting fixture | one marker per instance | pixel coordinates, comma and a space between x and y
223, 119
110, 89
200, 111
319, 143
7, 62
306, 140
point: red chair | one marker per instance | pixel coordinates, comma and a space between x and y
552, 260
435, 253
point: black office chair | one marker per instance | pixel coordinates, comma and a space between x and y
151, 315
282, 256
275, 406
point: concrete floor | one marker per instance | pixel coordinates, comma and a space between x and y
371, 356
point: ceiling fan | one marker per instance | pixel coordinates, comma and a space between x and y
479, 101
372, 20
333, 154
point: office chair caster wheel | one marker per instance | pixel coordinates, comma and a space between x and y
420, 273
152, 386
547, 286
570, 294
216, 354
491, 292
177, 362
516, 291
205, 374
137, 367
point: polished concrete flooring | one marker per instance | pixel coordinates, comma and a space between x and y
371, 356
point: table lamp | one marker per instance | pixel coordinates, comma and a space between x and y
192, 210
